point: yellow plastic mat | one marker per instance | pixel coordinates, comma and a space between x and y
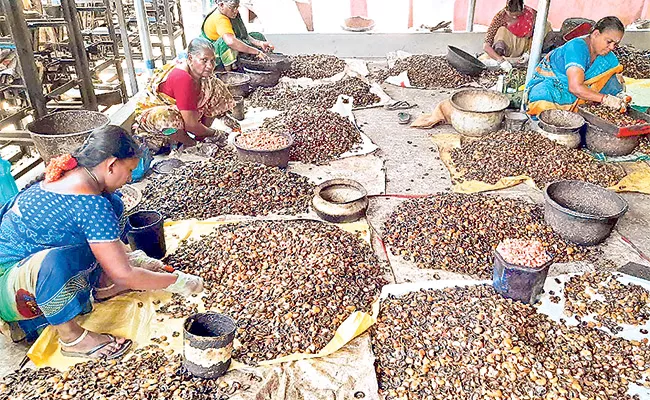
637, 179
639, 89
134, 316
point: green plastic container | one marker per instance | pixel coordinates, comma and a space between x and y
8, 188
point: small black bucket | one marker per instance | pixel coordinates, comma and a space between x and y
207, 344
517, 282
147, 233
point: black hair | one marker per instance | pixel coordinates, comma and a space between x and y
199, 44
106, 142
515, 6
610, 23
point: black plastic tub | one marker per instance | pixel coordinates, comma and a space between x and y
262, 78
277, 63
146, 232
272, 158
581, 212
518, 282
207, 344
464, 62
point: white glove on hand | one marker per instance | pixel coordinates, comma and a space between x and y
139, 259
614, 102
506, 66
186, 284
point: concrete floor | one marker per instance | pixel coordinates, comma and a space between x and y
412, 166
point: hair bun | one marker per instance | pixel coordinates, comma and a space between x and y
58, 166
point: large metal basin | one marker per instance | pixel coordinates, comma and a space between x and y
478, 112
582, 212
63, 132
340, 200
599, 141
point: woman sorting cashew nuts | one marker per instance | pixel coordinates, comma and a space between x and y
60, 244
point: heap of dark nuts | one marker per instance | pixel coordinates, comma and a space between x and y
319, 135
459, 232
611, 302
283, 96
225, 186
471, 343
503, 154
289, 285
314, 66
644, 145
434, 72
635, 62
150, 373
178, 307
613, 116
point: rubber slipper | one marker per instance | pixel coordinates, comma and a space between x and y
404, 118
124, 347
399, 105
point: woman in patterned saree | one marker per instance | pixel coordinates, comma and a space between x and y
60, 243
183, 99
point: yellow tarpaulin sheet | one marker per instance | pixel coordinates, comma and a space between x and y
637, 180
639, 89
134, 316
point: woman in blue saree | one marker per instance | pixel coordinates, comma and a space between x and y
60, 243
583, 70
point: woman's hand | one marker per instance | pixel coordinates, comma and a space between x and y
139, 259
262, 57
614, 102
266, 47
186, 284
231, 123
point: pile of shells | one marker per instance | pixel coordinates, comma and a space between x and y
644, 145
288, 284
227, 186
636, 62
262, 140
319, 135
283, 96
611, 302
150, 373
178, 307
434, 72
315, 66
505, 153
471, 343
613, 116
459, 232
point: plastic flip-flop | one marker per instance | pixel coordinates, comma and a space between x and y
400, 105
124, 347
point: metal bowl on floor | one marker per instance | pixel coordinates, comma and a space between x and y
599, 141
560, 122
277, 63
263, 78
340, 200
272, 158
477, 112
464, 62
515, 121
582, 212
238, 84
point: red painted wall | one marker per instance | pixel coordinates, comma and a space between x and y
627, 10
